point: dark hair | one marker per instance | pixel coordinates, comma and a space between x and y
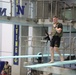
6, 62
55, 16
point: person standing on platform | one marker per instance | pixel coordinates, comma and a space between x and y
56, 33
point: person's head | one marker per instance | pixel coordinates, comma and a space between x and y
6, 62
55, 19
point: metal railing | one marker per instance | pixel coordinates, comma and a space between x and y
39, 45
52, 6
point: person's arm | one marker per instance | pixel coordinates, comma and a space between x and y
59, 28
50, 33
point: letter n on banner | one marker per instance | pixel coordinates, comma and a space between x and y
16, 37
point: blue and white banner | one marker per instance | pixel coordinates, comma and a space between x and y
19, 10
16, 38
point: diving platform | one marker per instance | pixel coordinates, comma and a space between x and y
31, 56
55, 71
58, 63
29, 21
17, 21
54, 68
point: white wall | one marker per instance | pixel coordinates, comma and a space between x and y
7, 5
0, 38
7, 41
0, 33
7, 35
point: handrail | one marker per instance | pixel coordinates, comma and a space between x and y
41, 38
44, 48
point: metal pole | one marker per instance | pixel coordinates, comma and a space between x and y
56, 8
43, 12
70, 41
51, 10
42, 24
73, 11
36, 10
11, 7
64, 12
